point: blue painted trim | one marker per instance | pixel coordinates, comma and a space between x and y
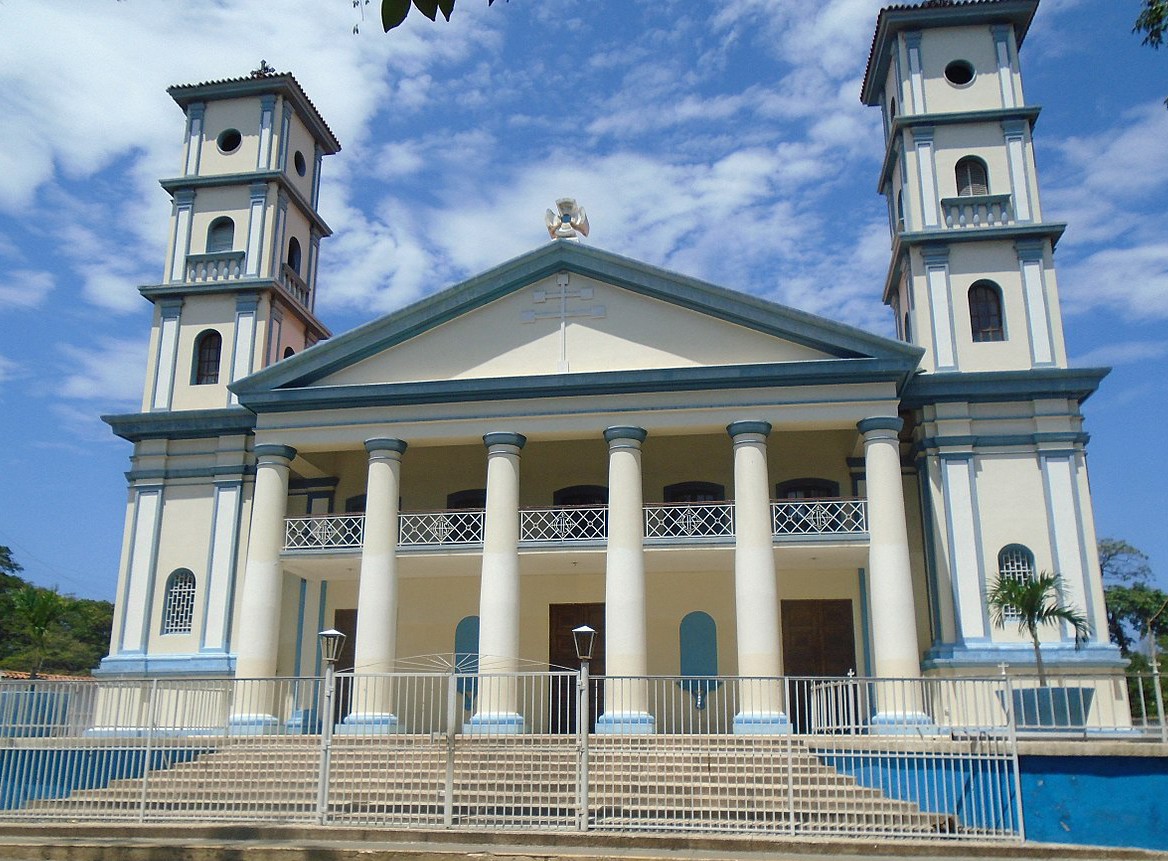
888, 423
761, 724
282, 84
274, 450
246, 304
989, 386
320, 614
1054, 655
189, 472
368, 724
625, 723
865, 620
170, 308
928, 530
504, 438
285, 133
386, 444
494, 724
625, 432
897, 19
559, 386
1072, 438
737, 428
301, 600
131, 664
562, 255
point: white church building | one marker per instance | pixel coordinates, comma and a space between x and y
717, 484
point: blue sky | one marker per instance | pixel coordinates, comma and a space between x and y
723, 140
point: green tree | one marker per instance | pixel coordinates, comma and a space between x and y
37, 614
1134, 606
1152, 21
393, 12
1034, 602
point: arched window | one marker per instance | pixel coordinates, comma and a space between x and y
807, 488
294, 255
892, 109
208, 347
985, 312
900, 210
1017, 562
289, 352
689, 518
178, 608
466, 658
698, 636
972, 177
907, 327
220, 235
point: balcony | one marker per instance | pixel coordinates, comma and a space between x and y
216, 266
980, 210
294, 284
566, 526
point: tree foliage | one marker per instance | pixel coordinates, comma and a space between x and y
394, 12
44, 631
1034, 602
1133, 604
1152, 21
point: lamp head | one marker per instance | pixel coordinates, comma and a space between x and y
584, 638
331, 642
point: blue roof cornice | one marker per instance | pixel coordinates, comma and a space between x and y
836, 339
998, 386
771, 375
238, 287
181, 424
179, 183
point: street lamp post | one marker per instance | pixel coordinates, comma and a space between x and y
584, 637
331, 642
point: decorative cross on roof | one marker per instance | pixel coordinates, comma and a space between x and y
571, 222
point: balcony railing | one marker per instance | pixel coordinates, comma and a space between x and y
566, 525
979, 210
294, 284
216, 266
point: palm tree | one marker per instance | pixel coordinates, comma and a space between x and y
37, 613
1034, 602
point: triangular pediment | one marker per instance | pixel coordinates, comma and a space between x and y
572, 309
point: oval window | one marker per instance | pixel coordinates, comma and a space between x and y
229, 140
298, 161
959, 73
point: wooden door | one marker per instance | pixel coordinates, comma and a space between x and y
818, 640
345, 621
562, 618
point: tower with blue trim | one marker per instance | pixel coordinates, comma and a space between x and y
993, 423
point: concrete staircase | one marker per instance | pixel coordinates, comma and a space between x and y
667, 783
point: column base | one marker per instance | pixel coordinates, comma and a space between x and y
302, 722
625, 723
253, 724
495, 723
761, 723
902, 723
372, 723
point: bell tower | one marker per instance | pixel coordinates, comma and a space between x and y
971, 277
239, 286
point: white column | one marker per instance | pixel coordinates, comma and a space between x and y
259, 634
756, 600
497, 709
892, 607
912, 43
374, 650
195, 112
626, 694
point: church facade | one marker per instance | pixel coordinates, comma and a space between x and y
717, 484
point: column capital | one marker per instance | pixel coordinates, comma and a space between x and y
269, 451
384, 444
625, 432
880, 423
504, 438
738, 428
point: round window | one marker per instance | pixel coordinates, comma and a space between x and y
298, 160
229, 140
959, 73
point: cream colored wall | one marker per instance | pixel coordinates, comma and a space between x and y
983, 140
152, 359
298, 227
198, 315
941, 46
635, 333
210, 203
300, 139
184, 542
242, 114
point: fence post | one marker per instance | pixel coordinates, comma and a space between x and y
582, 720
152, 700
451, 719
326, 743
1012, 737
1159, 696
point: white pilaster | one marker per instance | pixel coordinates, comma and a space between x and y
264, 154
1002, 33
141, 574
756, 601
184, 207
626, 643
1030, 261
260, 599
927, 176
377, 590
243, 354
221, 566
255, 228
1014, 132
936, 260
890, 589
1064, 514
966, 564
912, 43
166, 359
195, 112
497, 706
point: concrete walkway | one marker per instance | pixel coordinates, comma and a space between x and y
166, 842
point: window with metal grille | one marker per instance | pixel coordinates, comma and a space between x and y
178, 609
972, 177
985, 312
1017, 562
208, 347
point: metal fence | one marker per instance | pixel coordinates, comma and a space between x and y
554, 750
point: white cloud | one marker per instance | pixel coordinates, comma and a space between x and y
8, 369
24, 288
1132, 282
110, 372
1123, 353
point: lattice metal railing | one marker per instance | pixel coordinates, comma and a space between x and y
819, 516
564, 525
440, 528
324, 532
690, 520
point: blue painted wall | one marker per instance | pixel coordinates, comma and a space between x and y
1098, 800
